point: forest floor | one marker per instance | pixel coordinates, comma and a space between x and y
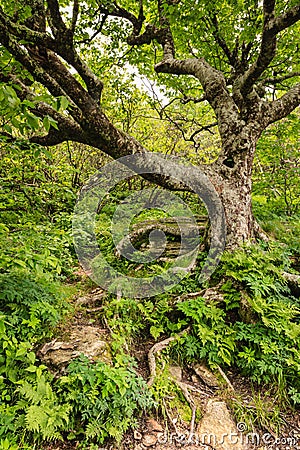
168, 430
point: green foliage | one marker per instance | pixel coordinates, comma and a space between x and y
35, 183
43, 416
254, 328
33, 306
168, 395
287, 230
95, 399
261, 412
39, 249
212, 339
105, 399
277, 170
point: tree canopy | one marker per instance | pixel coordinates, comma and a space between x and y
242, 57
62, 62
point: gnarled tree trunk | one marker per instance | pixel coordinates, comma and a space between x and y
234, 186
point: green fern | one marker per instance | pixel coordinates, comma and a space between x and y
43, 415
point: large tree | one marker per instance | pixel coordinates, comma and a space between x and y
240, 57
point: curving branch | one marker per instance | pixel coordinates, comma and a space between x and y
287, 19
114, 10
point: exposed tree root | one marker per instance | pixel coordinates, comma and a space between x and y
184, 389
182, 386
157, 348
224, 376
169, 417
292, 277
293, 281
169, 226
190, 295
259, 233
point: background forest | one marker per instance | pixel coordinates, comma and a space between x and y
244, 322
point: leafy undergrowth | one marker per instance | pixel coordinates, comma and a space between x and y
249, 327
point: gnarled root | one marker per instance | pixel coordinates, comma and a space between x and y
157, 348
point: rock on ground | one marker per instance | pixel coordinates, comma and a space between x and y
83, 339
218, 429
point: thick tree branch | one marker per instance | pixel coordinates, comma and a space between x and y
60, 45
68, 128
44, 72
165, 37
280, 108
287, 19
271, 27
25, 32
243, 84
29, 63
37, 20
56, 22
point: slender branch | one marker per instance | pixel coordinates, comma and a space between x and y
203, 128
101, 23
186, 99
212, 80
278, 80
222, 43
75, 15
